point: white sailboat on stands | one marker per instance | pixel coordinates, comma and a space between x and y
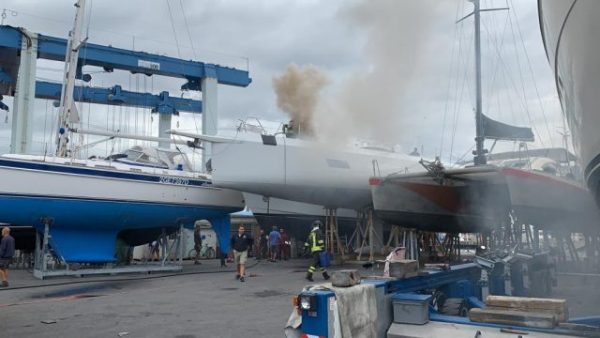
291, 179
570, 31
268, 209
83, 205
479, 198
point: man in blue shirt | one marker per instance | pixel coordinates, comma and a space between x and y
7, 251
274, 239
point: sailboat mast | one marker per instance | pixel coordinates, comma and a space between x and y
479, 135
66, 110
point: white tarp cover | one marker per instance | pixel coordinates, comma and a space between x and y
356, 310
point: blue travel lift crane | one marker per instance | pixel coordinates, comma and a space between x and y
20, 49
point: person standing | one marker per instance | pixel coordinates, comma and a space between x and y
197, 243
155, 250
316, 245
7, 251
274, 239
284, 242
240, 243
262, 245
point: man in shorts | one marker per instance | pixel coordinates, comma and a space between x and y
240, 243
7, 251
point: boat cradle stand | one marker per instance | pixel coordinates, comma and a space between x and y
48, 265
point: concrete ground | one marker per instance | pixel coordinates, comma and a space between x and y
204, 301
582, 292
211, 303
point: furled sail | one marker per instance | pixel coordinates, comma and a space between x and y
495, 130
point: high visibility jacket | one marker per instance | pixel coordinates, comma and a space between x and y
315, 241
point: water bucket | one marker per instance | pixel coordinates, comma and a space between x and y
324, 258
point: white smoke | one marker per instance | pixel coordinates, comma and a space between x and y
397, 54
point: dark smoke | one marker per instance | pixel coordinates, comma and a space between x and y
298, 94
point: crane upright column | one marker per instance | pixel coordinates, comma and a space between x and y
22, 113
210, 112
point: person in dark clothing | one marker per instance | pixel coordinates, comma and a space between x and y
240, 243
263, 245
316, 245
284, 245
7, 251
197, 243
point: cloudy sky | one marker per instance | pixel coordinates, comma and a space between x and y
399, 72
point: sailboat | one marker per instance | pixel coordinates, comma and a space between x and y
480, 197
570, 29
289, 167
86, 204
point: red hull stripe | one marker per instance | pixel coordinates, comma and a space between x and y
541, 178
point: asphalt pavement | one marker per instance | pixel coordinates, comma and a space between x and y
203, 301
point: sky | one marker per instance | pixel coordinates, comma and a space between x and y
397, 72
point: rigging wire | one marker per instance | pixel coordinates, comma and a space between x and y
137, 109
187, 28
112, 146
459, 160
89, 112
502, 65
45, 124
524, 97
144, 114
532, 75
456, 87
450, 71
106, 126
173, 27
495, 63
465, 77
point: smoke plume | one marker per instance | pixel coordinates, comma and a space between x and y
377, 101
298, 95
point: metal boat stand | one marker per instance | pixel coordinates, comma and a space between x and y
451, 247
47, 264
365, 235
410, 241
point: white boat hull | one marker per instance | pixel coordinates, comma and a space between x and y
570, 30
303, 171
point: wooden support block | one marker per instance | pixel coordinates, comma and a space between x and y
404, 268
526, 302
511, 317
345, 278
556, 307
561, 316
